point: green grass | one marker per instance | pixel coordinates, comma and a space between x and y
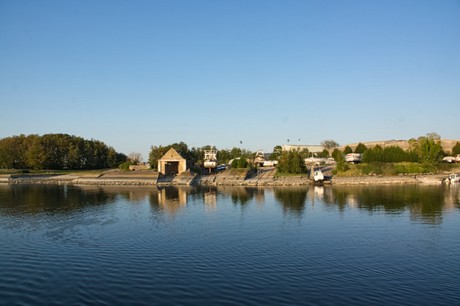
391, 169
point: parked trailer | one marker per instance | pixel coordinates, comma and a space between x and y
353, 158
270, 163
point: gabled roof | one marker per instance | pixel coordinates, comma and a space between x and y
172, 155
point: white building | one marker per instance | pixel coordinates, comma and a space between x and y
311, 148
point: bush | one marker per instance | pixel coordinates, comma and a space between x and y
239, 163
406, 168
125, 166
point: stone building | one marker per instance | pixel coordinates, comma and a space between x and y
172, 163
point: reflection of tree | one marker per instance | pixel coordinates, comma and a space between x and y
19, 199
238, 194
242, 195
424, 203
130, 194
292, 199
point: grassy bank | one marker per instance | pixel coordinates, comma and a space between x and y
390, 169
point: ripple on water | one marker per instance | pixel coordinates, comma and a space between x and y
238, 254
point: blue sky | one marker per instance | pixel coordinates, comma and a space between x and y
139, 73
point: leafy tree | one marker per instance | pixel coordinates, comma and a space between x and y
125, 166
428, 148
291, 162
323, 154
335, 154
329, 144
374, 154
304, 153
277, 151
360, 148
341, 164
56, 152
223, 156
434, 136
456, 149
240, 163
347, 150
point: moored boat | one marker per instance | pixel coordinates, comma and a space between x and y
210, 159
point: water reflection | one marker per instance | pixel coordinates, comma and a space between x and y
210, 198
424, 204
18, 199
292, 200
240, 195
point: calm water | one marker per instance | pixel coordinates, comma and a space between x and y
350, 245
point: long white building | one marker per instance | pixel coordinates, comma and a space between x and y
311, 148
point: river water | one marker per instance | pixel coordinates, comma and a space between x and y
68, 245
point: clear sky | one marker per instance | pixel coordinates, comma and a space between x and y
139, 73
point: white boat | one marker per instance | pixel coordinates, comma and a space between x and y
353, 158
210, 159
259, 158
315, 161
452, 159
318, 176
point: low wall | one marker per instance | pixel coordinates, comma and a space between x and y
226, 178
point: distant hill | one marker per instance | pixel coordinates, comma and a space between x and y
403, 144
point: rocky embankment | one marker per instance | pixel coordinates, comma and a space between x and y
106, 178
237, 177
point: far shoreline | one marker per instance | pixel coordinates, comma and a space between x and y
240, 178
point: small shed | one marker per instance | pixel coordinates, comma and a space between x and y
172, 163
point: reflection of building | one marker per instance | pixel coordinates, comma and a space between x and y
260, 196
352, 201
452, 197
210, 199
172, 199
172, 163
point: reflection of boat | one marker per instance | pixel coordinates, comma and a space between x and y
454, 178
316, 176
210, 198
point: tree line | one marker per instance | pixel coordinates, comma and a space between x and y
425, 150
57, 152
68, 152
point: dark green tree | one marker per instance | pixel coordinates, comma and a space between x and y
456, 149
360, 148
323, 154
428, 149
56, 152
347, 150
291, 162
277, 151
341, 164
335, 154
